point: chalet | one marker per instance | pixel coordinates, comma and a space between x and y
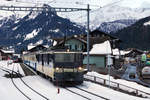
98, 56
79, 42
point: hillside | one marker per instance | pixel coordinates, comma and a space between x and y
136, 35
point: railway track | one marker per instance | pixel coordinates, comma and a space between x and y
85, 94
27, 91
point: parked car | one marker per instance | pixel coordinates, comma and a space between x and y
146, 72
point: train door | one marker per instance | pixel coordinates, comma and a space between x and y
50, 61
42, 63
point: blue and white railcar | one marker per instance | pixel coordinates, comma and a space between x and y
60, 66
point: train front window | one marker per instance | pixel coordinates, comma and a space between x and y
64, 57
78, 57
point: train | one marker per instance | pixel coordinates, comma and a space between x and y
59, 66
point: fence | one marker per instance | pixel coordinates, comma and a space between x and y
117, 86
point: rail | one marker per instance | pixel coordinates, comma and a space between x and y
117, 86
18, 74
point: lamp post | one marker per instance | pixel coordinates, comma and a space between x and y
109, 64
88, 31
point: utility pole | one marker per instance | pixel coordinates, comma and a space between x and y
88, 31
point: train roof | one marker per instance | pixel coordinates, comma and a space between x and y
52, 52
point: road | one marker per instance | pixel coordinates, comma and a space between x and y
134, 70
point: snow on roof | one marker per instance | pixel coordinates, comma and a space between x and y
103, 48
30, 46
54, 43
122, 52
8, 51
115, 51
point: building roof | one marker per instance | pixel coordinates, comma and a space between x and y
118, 52
8, 51
35, 48
102, 48
95, 37
62, 40
134, 52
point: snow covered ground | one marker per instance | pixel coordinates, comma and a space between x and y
46, 88
121, 81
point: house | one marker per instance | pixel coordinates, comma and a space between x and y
96, 37
98, 56
79, 42
72, 43
6, 54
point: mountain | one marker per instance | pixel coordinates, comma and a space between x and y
36, 28
23, 28
136, 35
114, 26
113, 13
101, 11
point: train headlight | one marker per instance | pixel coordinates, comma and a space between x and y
57, 69
80, 68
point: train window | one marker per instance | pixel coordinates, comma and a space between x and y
42, 59
37, 57
45, 58
64, 57
75, 47
48, 58
78, 57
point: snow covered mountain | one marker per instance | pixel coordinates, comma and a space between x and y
101, 10
23, 28
36, 28
113, 27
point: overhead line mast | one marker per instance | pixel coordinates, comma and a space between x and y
57, 9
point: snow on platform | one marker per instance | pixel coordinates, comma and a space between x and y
8, 64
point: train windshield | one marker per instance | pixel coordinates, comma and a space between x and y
68, 57
64, 57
